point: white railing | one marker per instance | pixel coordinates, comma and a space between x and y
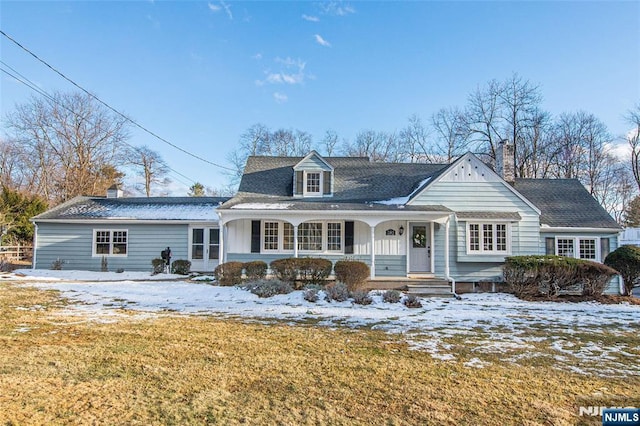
18, 252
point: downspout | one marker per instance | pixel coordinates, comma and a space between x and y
35, 246
447, 275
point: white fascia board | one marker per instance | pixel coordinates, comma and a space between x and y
544, 229
487, 170
123, 221
309, 155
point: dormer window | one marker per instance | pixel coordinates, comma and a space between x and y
313, 177
313, 181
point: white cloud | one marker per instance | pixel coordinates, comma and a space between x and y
310, 18
292, 72
257, 56
621, 150
337, 8
321, 41
221, 6
280, 97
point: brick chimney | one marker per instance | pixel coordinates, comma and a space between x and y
504, 161
114, 192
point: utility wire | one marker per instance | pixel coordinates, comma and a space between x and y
30, 84
141, 127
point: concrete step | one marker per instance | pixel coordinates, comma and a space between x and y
428, 288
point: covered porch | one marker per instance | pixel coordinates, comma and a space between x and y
397, 243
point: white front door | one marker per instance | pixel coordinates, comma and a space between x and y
204, 245
419, 248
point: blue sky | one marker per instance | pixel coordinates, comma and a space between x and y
200, 73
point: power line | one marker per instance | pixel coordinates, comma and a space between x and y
111, 108
30, 84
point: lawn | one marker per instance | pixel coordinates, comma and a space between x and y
62, 364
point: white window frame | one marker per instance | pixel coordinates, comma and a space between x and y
278, 235
576, 246
324, 242
305, 177
94, 252
494, 237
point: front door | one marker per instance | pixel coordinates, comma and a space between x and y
419, 248
204, 248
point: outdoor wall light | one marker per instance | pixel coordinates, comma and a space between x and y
401, 230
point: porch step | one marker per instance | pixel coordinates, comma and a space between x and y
431, 288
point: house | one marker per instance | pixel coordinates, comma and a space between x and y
128, 232
456, 222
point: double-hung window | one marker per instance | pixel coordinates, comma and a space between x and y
108, 242
313, 183
310, 236
271, 235
488, 238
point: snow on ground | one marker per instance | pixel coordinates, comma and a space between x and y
63, 275
495, 326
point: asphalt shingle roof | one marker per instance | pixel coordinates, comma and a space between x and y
138, 208
565, 203
355, 178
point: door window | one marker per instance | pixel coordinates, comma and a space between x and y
419, 237
197, 244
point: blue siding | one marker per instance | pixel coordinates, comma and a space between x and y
491, 196
72, 243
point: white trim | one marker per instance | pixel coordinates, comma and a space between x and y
433, 250
111, 243
576, 245
481, 250
129, 221
34, 258
486, 170
547, 229
296, 251
309, 155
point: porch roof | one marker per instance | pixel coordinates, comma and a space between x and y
324, 204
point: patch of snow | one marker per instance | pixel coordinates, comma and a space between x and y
404, 200
476, 363
262, 206
68, 275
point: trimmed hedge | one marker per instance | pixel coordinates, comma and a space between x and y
158, 265
228, 274
549, 275
626, 260
306, 270
352, 273
181, 267
255, 270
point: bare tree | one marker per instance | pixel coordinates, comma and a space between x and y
414, 141
150, 166
330, 142
71, 144
633, 139
378, 146
483, 118
452, 134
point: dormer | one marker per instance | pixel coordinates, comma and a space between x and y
313, 177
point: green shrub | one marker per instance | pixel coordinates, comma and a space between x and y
336, 291
626, 260
228, 274
352, 273
412, 301
550, 275
306, 270
181, 267
285, 269
595, 278
268, 288
255, 270
313, 270
361, 297
158, 265
391, 296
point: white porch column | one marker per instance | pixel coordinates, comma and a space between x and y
446, 248
221, 258
433, 251
373, 251
295, 240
